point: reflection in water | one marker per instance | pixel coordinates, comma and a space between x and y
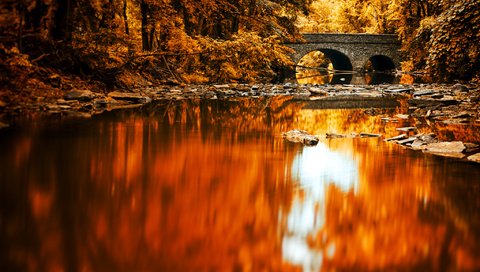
315, 168
317, 76
210, 185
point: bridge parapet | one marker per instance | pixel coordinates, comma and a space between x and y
350, 38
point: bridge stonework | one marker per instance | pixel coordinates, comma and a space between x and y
358, 48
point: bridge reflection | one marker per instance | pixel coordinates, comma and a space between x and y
327, 66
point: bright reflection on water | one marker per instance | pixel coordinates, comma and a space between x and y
315, 168
211, 186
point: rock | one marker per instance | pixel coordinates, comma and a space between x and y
422, 141
402, 116
407, 141
334, 135
396, 91
423, 92
406, 129
372, 135
471, 147
445, 147
460, 88
447, 154
53, 107
392, 120
437, 96
396, 138
222, 86
427, 138
100, 102
318, 91
430, 102
474, 158
455, 121
133, 97
300, 136
80, 95
462, 114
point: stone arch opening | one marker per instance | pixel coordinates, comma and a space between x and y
324, 66
339, 60
379, 70
379, 63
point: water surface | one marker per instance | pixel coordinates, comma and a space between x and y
198, 185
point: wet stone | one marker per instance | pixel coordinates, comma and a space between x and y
300, 136
397, 91
133, 97
462, 114
454, 155
471, 147
370, 135
460, 88
80, 95
474, 158
396, 138
430, 102
437, 96
407, 141
422, 141
318, 91
423, 92
406, 129
446, 147
335, 136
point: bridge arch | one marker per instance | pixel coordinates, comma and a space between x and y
379, 63
338, 60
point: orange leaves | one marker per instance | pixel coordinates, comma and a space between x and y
246, 57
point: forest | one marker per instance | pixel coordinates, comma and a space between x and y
51, 45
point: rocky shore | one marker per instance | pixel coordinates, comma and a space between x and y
448, 104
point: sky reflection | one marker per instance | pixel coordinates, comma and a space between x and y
315, 168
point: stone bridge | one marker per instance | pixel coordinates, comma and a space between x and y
352, 51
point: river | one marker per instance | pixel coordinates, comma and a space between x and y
210, 185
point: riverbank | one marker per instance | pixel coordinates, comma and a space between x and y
425, 104
459, 103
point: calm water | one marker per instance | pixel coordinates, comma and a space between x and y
212, 186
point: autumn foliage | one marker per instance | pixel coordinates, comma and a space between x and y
143, 42
51, 45
439, 37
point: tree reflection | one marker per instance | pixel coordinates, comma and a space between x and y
210, 185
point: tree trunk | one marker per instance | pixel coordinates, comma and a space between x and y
62, 20
125, 19
146, 43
